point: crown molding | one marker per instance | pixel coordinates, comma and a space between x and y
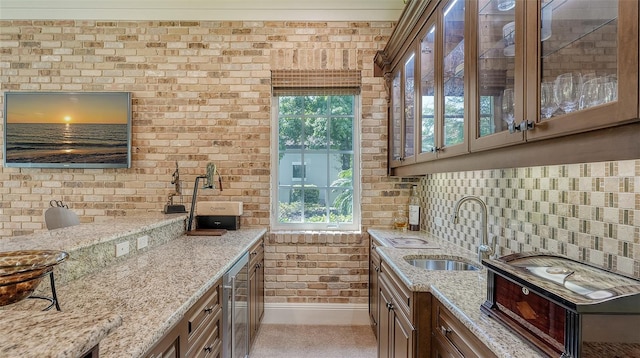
244, 10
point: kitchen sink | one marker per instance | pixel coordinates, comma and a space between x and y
437, 264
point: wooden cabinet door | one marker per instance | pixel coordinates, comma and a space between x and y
385, 319
442, 349
260, 292
256, 290
454, 134
496, 60
374, 269
167, 348
588, 57
403, 336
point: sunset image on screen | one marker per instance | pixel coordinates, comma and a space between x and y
97, 108
67, 129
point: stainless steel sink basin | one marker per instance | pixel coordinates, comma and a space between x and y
433, 264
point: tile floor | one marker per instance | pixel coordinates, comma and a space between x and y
307, 341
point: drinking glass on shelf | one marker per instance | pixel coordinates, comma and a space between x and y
508, 110
610, 88
548, 102
567, 88
592, 93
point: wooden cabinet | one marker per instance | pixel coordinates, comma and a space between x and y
374, 270
451, 339
568, 68
93, 353
199, 333
256, 288
496, 80
204, 325
404, 318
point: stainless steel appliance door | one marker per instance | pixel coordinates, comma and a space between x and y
236, 310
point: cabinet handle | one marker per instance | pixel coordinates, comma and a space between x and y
445, 330
390, 306
208, 310
523, 126
208, 349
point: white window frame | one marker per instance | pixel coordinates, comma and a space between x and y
357, 162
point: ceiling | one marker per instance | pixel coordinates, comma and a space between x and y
245, 10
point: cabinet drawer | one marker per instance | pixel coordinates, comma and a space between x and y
208, 344
447, 328
400, 292
203, 312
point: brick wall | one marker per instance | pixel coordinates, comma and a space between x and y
317, 267
201, 92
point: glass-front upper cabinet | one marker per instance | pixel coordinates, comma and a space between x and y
403, 113
396, 119
454, 100
428, 94
499, 73
549, 68
587, 69
409, 107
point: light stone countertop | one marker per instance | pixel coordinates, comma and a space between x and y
89, 234
145, 294
52, 333
462, 292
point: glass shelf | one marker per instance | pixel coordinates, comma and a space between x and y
572, 20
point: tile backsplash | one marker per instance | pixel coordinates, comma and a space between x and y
589, 212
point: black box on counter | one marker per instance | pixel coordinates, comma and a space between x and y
217, 222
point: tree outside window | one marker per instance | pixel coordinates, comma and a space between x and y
316, 157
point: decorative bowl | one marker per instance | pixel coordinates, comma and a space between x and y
22, 271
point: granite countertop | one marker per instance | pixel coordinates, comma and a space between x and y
462, 292
145, 294
52, 333
85, 235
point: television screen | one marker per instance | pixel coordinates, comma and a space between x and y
67, 130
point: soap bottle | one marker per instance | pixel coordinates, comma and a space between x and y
414, 210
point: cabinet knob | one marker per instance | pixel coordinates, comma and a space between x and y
445, 330
389, 306
521, 127
208, 310
208, 349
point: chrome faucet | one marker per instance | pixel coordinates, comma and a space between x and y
484, 249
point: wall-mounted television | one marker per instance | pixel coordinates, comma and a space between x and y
67, 129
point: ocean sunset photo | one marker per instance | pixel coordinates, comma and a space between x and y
67, 129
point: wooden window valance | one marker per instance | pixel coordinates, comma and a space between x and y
315, 82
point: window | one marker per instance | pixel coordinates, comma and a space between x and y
315, 162
299, 171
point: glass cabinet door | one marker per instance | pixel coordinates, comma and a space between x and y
409, 108
587, 75
396, 119
498, 106
427, 121
453, 129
